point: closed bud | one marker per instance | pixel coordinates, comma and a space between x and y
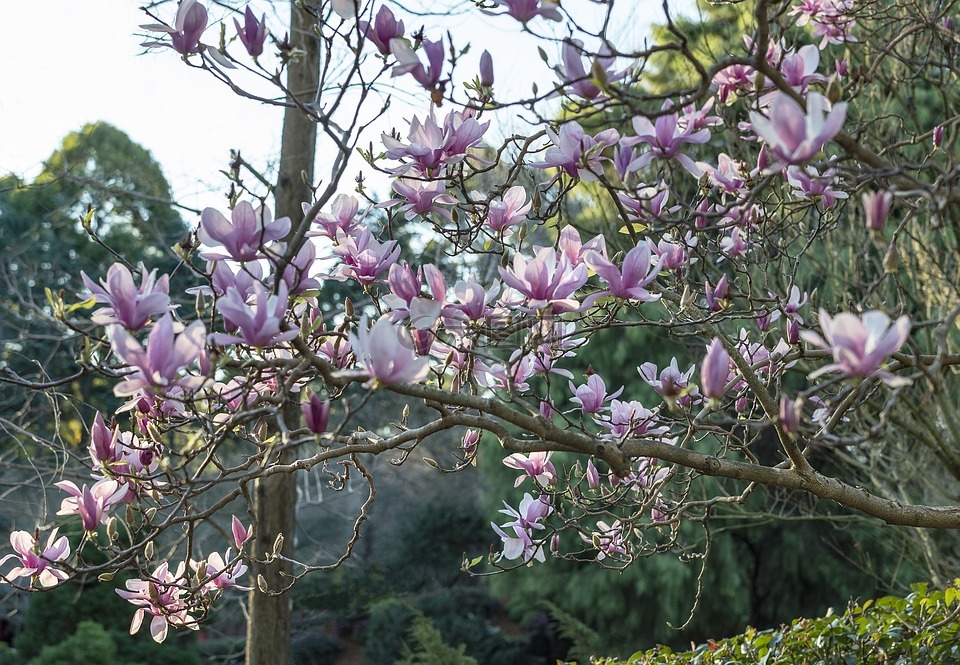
348, 307
834, 89
891, 260
148, 550
486, 69
791, 410
593, 476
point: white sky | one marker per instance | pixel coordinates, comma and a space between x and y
64, 63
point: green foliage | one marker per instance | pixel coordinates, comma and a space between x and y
431, 649
465, 615
348, 591
583, 640
921, 628
8, 656
388, 627
90, 644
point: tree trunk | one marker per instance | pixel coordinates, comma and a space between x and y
269, 625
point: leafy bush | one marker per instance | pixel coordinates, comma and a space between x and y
921, 628
431, 649
90, 644
387, 631
464, 616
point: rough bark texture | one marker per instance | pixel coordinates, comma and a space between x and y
268, 628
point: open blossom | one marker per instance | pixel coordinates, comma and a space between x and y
129, 306
860, 344
528, 518
244, 236
386, 352
258, 318
221, 575
527, 10
671, 384
363, 257
36, 563
576, 153
511, 209
157, 368
628, 281
794, 136
342, 217
420, 198
408, 62
608, 539
537, 466
808, 182
404, 298
592, 395
576, 75
162, 596
92, 504
665, 137
631, 419
546, 281
385, 27
431, 146
190, 22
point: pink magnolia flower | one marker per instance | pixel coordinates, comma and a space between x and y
363, 257
510, 210
163, 597
592, 475
631, 419
404, 298
218, 573
385, 27
92, 504
470, 441
431, 146
240, 533
188, 26
808, 182
791, 411
157, 368
608, 539
244, 236
794, 136
546, 281
537, 466
259, 318
486, 69
36, 563
574, 249
860, 344
129, 306
316, 413
342, 217
592, 395
876, 207
421, 198
671, 384
577, 154
386, 353
527, 10
673, 253
578, 78
718, 297
629, 281
715, 371
408, 62
528, 519
665, 138
253, 34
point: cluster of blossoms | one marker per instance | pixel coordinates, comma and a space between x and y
476, 348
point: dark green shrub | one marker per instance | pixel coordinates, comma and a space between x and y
921, 628
464, 615
387, 631
90, 644
431, 649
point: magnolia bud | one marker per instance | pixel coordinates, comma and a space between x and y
148, 550
834, 89
790, 413
891, 260
486, 69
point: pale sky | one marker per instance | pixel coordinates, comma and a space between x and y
64, 63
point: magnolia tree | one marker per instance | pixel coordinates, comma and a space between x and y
788, 211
